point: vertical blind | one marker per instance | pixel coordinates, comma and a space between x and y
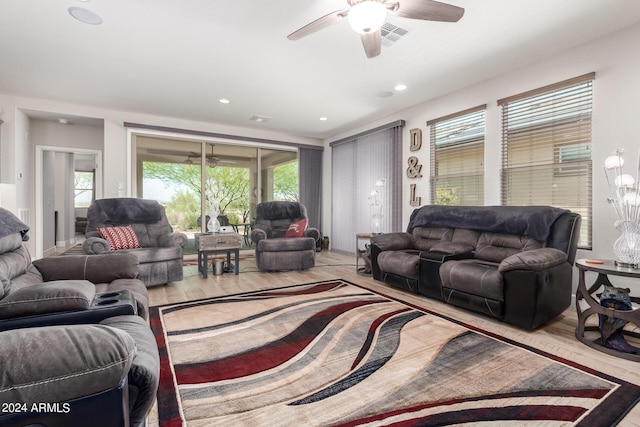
546, 149
357, 164
457, 158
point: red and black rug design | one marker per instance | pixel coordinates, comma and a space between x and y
336, 354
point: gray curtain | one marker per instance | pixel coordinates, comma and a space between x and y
357, 163
310, 183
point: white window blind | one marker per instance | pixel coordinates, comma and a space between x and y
546, 149
457, 158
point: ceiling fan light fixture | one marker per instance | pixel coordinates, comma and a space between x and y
367, 16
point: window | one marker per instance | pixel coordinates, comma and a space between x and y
546, 149
83, 185
457, 158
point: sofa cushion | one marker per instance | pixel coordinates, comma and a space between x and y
425, 237
472, 277
451, 248
495, 247
94, 268
400, 263
286, 244
48, 297
12, 265
10, 242
120, 237
60, 363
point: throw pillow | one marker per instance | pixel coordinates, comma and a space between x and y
120, 237
296, 229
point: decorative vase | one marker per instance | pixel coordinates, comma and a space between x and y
213, 226
376, 224
627, 247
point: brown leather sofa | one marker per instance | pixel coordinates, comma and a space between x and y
511, 263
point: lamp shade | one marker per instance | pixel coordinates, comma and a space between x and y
367, 16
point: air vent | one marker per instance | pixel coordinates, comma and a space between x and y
261, 119
392, 33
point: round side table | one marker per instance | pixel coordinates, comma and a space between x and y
585, 333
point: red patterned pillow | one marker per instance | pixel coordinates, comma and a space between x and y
120, 237
296, 229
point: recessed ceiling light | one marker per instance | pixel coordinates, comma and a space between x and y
323, 119
400, 87
223, 101
85, 15
384, 94
63, 121
260, 119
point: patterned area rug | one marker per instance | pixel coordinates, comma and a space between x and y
333, 353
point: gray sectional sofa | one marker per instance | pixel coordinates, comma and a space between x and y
511, 263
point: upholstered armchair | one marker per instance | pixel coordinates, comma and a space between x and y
73, 335
282, 237
139, 227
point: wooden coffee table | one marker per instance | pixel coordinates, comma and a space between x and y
213, 243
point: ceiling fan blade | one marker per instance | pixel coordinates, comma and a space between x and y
372, 43
319, 24
428, 10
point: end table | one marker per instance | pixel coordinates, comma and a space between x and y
585, 333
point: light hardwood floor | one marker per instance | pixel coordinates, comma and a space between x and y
557, 337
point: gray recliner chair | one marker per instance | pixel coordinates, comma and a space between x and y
73, 337
160, 250
274, 250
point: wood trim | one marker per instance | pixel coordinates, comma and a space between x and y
221, 135
459, 113
576, 80
397, 123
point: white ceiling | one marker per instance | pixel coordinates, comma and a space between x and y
176, 58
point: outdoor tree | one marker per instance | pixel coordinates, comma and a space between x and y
230, 186
285, 182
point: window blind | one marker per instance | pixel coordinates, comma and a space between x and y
546, 149
457, 158
357, 164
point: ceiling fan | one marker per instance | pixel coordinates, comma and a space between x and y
367, 17
211, 160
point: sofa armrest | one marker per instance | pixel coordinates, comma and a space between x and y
95, 268
62, 363
96, 245
258, 234
46, 298
312, 232
145, 371
393, 241
173, 239
533, 260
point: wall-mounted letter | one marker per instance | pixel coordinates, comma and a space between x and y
413, 200
415, 136
413, 171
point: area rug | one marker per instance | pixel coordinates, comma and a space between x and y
336, 354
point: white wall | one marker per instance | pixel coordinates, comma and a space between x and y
616, 112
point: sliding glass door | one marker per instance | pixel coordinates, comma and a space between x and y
192, 179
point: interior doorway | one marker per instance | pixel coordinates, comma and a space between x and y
55, 210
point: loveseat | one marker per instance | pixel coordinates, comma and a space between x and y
509, 262
139, 227
73, 336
